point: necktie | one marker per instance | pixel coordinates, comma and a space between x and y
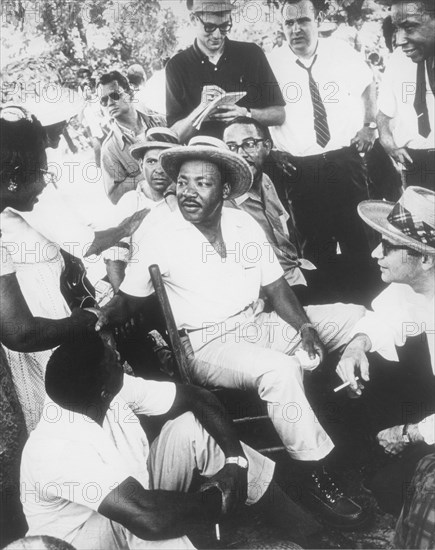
420, 104
320, 119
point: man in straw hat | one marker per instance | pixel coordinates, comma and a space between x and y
151, 193
214, 60
215, 261
396, 380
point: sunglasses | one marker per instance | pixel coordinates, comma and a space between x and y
209, 28
388, 247
114, 96
249, 145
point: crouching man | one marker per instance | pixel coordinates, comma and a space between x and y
90, 477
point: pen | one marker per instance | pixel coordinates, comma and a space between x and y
218, 532
344, 385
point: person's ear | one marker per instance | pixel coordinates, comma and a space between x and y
428, 262
268, 145
226, 190
193, 18
320, 17
105, 395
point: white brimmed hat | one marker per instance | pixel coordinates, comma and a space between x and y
59, 105
235, 170
409, 222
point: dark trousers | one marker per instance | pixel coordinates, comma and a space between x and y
422, 170
324, 193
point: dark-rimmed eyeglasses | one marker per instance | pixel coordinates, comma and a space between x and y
248, 145
209, 28
388, 247
114, 96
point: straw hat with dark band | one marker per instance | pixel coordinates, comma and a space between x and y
235, 169
409, 222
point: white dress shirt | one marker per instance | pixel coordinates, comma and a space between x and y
396, 100
341, 76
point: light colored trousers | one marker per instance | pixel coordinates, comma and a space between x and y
182, 448
250, 351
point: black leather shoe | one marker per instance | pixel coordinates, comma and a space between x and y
323, 496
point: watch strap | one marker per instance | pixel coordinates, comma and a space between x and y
239, 460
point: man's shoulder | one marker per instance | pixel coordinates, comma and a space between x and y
335, 48
181, 58
399, 64
238, 218
244, 47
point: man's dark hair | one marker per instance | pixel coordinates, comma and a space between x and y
75, 373
319, 5
113, 76
261, 128
429, 5
22, 151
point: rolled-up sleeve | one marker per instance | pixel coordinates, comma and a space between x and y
427, 429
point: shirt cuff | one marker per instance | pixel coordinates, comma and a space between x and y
380, 336
427, 429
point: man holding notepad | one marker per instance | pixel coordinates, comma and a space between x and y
194, 76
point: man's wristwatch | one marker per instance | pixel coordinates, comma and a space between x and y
239, 460
406, 438
371, 125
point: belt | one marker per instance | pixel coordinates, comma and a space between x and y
186, 331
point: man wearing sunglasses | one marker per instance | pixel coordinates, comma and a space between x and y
121, 172
390, 360
213, 59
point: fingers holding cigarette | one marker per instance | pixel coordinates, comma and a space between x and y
344, 385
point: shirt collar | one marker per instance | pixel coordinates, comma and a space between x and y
124, 135
316, 54
265, 185
201, 56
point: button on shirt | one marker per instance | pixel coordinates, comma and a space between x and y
204, 288
341, 76
70, 463
399, 312
396, 100
242, 67
271, 215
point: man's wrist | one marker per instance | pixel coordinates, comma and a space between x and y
360, 341
413, 433
239, 461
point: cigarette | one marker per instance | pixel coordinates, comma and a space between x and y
218, 532
344, 385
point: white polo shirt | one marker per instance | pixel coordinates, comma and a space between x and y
70, 463
202, 287
342, 77
396, 100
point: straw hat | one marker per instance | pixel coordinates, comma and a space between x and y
234, 168
409, 222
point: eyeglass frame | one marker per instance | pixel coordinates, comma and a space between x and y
214, 27
388, 247
243, 144
104, 99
